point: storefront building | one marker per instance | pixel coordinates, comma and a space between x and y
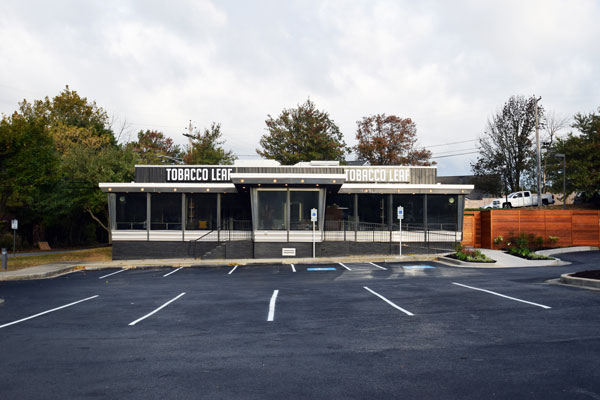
260, 209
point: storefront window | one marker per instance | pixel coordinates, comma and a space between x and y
236, 213
372, 208
201, 209
301, 202
339, 211
272, 210
130, 211
165, 211
442, 209
413, 209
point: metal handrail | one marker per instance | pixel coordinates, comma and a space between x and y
206, 234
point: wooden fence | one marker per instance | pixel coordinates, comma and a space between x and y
572, 227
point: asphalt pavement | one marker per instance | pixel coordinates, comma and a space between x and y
351, 331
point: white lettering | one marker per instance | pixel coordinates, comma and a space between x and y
186, 174
378, 175
204, 174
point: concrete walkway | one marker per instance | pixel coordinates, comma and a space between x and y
57, 269
503, 260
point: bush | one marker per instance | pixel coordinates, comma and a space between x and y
463, 254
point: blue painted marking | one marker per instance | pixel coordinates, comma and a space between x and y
321, 269
417, 266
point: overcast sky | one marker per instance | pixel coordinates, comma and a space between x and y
448, 65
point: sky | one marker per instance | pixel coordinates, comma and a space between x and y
447, 65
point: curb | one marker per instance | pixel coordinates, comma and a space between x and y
465, 264
42, 275
219, 262
581, 282
563, 250
460, 263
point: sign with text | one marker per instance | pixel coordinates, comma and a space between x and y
400, 212
378, 175
198, 174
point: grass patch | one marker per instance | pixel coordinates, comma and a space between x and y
98, 254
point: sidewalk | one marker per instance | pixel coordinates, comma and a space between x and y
57, 269
503, 260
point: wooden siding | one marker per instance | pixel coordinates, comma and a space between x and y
572, 227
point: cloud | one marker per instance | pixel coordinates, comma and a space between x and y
447, 65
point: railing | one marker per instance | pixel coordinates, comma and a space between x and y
434, 236
123, 225
229, 230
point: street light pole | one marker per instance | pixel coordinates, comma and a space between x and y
539, 160
564, 158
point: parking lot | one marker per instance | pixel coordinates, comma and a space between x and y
356, 330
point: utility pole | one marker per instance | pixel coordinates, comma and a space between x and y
191, 131
564, 160
539, 159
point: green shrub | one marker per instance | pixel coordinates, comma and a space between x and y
463, 254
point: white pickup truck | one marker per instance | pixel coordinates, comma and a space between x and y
521, 199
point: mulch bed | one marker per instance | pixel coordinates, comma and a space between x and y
587, 274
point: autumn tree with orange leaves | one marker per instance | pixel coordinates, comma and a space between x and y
389, 140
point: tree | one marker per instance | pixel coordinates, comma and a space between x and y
582, 153
389, 140
83, 167
28, 161
56, 152
69, 109
152, 147
506, 147
206, 148
553, 124
302, 134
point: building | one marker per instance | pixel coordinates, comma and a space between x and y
260, 209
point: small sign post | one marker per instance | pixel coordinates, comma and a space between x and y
400, 218
14, 225
313, 218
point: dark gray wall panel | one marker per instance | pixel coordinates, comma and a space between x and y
273, 250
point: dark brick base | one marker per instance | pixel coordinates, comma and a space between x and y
247, 249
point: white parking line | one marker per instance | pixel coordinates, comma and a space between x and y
155, 311
172, 272
345, 266
502, 295
271, 316
119, 271
293, 268
233, 269
49, 311
378, 266
389, 302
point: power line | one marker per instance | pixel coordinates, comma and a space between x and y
454, 155
446, 144
454, 151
